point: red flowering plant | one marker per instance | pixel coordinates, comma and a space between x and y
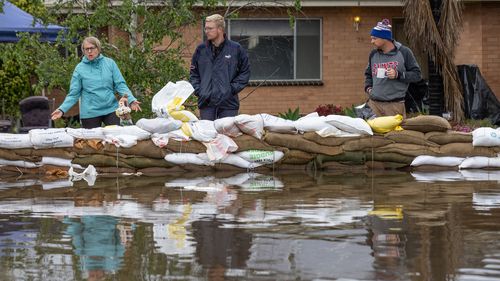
328, 109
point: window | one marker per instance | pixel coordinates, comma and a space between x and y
278, 52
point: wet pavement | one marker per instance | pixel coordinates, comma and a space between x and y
246, 226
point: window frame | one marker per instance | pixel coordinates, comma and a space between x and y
282, 82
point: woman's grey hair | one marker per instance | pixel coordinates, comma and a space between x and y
92, 40
218, 19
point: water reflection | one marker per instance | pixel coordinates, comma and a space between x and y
375, 226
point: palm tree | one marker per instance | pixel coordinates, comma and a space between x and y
434, 26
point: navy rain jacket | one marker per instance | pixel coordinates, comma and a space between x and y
217, 81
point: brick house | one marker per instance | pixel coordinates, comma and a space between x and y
322, 60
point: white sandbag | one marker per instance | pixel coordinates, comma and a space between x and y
331, 131
219, 147
178, 135
19, 163
349, 124
278, 124
250, 124
56, 161
189, 158
235, 160
110, 131
89, 175
13, 141
311, 123
446, 161
261, 156
160, 140
479, 162
159, 125
82, 133
126, 141
485, 136
203, 130
49, 138
227, 127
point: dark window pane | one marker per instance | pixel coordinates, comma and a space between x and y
308, 49
270, 47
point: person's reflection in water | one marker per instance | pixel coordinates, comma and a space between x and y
387, 240
219, 247
96, 240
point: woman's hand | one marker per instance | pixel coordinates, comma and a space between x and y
56, 114
135, 105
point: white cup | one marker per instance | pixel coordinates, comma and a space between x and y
381, 73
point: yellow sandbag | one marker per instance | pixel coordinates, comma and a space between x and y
386, 124
183, 115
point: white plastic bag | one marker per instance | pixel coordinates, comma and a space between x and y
89, 175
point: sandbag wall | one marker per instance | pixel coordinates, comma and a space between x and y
309, 150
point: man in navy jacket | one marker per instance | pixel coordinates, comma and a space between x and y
219, 71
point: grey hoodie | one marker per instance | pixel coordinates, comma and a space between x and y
385, 89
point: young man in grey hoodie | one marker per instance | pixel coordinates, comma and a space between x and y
391, 68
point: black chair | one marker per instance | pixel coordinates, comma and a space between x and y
35, 113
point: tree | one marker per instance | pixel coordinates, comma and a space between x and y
438, 37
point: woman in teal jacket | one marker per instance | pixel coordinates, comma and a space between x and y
95, 81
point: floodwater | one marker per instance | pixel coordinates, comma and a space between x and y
248, 226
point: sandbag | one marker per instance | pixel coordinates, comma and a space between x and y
10, 154
250, 124
298, 142
329, 141
227, 127
203, 130
159, 125
480, 162
311, 123
486, 137
12, 141
448, 161
409, 136
100, 161
220, 147
48, 138
465, 150
261, 156
449, 136
426, 123
19, 163
389, 157
409, 149
110, 131
189, 158
144, 148
246, 142
185, 146
278, 125
82, 133
297, 157
349, 124
366, 143
386, 123
348, 157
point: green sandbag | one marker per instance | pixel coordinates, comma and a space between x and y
389, 157
348, 157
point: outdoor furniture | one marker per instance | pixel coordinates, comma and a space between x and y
35, 113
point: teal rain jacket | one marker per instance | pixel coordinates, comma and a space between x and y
95, 82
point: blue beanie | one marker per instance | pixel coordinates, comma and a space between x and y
382, 30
